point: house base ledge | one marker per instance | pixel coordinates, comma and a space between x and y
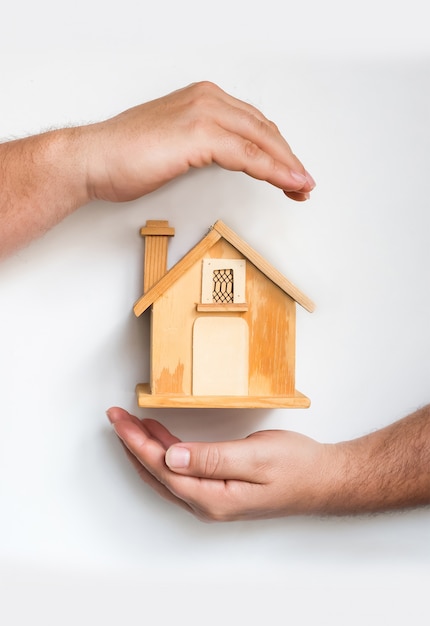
148, 400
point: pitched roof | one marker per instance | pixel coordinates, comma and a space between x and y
218, 230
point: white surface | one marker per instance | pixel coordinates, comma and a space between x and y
82, 540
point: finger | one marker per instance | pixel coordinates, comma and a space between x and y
196, 494
242, 119
256, 128
147, 450
147, 455
232, 152
152, 482
160, 433
230, 460
253, 141
297, 195
116, 414
151, 427
263, 133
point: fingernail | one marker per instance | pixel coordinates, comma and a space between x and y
111, 415
300, 178
310, 179
177, 457
116, 429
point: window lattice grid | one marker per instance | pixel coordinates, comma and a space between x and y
222, 286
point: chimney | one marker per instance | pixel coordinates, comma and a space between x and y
156, 234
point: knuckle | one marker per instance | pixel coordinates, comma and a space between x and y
214, 515
210, 461
227, 506
205, 87
264, 128
202, 94
252, 151
273, 127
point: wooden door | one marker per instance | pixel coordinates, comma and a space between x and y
220, 356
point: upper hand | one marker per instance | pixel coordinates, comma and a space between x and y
268, 474
146, 146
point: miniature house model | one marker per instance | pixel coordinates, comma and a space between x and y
223, 324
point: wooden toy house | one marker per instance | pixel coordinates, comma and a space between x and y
223, 325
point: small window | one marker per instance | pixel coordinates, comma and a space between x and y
223, 281
222, 285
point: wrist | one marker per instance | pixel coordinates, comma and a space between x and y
353, 484
43, 179
66, 153
338, 490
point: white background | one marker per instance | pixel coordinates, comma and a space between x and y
82, 540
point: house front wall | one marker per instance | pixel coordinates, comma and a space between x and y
172, 319
270, 318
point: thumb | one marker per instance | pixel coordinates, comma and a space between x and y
222, 460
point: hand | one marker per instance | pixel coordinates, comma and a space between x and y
142, 148
268, 474
44, 178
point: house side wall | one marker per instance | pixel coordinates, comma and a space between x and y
271, 319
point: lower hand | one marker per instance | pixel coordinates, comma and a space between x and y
269, 474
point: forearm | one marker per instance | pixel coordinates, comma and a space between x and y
386, 470
42, 180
